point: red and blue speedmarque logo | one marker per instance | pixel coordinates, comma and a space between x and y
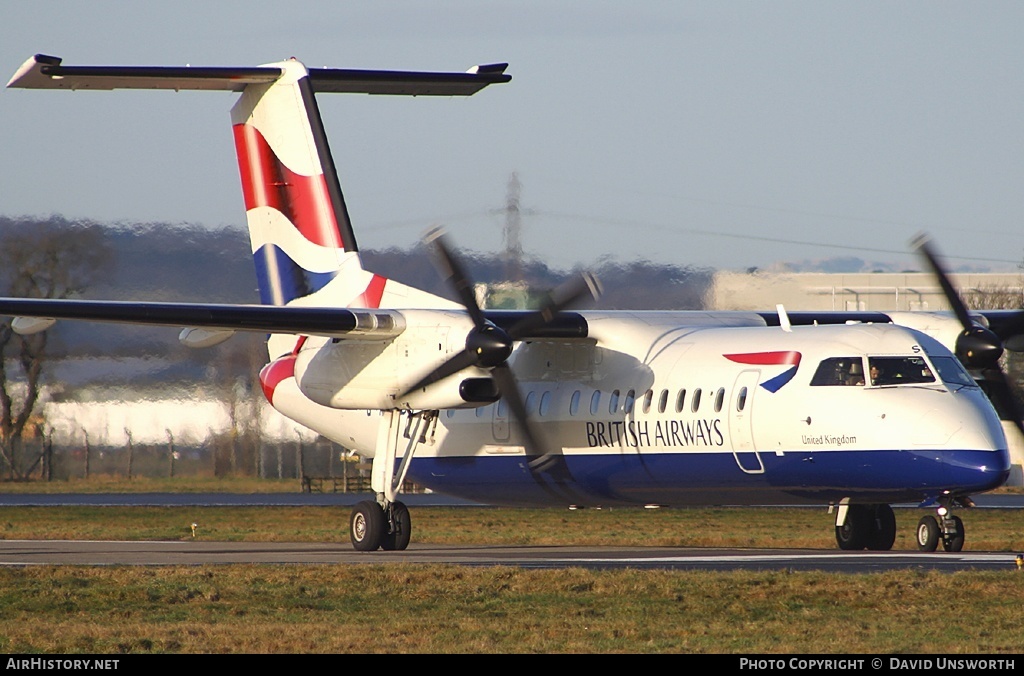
788, 358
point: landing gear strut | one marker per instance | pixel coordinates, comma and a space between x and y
385, 523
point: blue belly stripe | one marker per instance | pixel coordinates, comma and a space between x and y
682, 479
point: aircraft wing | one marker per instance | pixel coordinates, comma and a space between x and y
347, 323
1007, 324
310, 321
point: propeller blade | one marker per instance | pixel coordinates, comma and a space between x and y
923, 244
569, 294
462, 360
541, 458
509, 389
488, 346
452, 271
977, 346
1002, 389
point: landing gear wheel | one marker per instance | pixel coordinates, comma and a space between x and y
366, 526
928, 534
401, 528
854, 532
953, 538
883, 528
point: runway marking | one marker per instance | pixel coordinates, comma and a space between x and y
774, 558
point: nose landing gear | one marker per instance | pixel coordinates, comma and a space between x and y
947, 528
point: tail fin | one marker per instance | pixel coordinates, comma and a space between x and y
298, 224
302, 240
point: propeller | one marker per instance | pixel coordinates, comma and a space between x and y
489, 346
977, 347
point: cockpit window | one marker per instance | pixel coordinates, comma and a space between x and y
952, 371
899, 371
839, 371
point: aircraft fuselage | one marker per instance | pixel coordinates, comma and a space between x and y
644, 412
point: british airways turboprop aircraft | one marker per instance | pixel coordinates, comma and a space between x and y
561, 406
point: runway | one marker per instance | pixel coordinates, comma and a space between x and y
199, 552
203, 552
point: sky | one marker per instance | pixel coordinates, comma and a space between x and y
729, 134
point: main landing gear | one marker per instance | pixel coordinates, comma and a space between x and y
865, 527
385, 523
374, 527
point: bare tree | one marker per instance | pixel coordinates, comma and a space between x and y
994, 297
38, 259
234, 375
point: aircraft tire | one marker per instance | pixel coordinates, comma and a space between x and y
399, 539
366, 526
883, 528
853, 535
954, 542
928, 534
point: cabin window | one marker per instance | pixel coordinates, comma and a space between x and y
450, 412
719, 399
613, 401
530, 398
595, 402
839, 371
663, 401
899, 371
695, 400
502, 409
741, 399
480, 411
574, 403
680, 400
630, 400
545, 403
648, 398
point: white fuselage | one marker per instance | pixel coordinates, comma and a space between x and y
645, 411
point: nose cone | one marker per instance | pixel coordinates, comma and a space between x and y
979, 457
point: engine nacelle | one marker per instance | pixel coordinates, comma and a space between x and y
364, 373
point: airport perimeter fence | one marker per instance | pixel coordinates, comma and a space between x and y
317, 466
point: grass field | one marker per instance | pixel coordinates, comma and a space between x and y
370, 608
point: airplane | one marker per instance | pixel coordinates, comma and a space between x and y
564, 406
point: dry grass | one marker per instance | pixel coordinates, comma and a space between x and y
449, 609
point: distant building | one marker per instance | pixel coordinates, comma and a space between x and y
882, 292
188, 421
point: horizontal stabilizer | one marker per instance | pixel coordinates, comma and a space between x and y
46, 72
